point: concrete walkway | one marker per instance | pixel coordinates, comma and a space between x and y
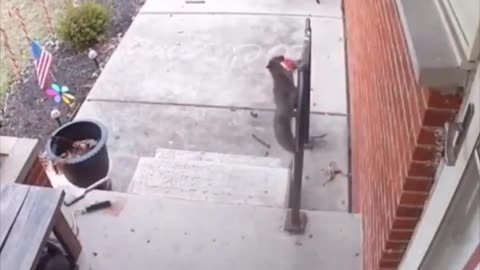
188, 76
152, 233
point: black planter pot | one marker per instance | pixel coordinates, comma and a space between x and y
89, 168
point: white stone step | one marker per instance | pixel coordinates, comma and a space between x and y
327, 8
221, 131
159, 233
185, 155
211, 181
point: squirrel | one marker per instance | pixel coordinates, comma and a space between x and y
282, 129
285, 95
52, 258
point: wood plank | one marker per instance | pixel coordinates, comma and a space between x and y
31, 228
66, 237
6, 145
12, 198
15, 167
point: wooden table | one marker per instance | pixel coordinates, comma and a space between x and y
17, 156
28, 214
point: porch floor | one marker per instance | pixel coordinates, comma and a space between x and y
155, 233
193, 77
188, 77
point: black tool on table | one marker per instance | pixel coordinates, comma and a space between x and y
96, 207
88, 189
88, 209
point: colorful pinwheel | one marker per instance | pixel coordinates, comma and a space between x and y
59, 94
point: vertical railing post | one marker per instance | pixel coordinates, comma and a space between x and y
307, 56
296, 219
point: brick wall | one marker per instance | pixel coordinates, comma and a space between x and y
393, 126
474, 260
37, 175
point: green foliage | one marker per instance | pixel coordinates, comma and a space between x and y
84, 25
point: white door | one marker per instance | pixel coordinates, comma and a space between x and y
464, 16
459, 234
449, 231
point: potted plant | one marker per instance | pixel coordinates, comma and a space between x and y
78, 149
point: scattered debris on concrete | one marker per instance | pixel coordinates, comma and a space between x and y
262, 142
313, 141
332, 171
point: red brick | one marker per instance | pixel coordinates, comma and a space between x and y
400, 235
413, 198
420, 184
474, 260
409, 212
392, 125
393, 255
424, 153
437, 118
399, 245
421, 169
36, 168
37, 175
389, 263
438, 101
426, 136
404, 223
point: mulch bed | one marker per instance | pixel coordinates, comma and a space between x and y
26, 109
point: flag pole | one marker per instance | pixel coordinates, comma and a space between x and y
52, 76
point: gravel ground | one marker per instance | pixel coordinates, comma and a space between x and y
26, 109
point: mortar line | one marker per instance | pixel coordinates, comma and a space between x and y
175, 104
238, 13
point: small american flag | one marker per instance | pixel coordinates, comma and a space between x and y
43, 62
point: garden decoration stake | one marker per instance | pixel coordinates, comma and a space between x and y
60, 93
92, 55
43, 63
47, 16
55, 114
23, 25
16, 69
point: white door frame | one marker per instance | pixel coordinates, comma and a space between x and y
443, 190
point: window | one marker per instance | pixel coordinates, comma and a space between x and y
463, 17
443, 38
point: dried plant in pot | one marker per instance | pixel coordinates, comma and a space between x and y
78, 149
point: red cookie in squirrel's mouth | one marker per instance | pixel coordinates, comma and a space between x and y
288, 64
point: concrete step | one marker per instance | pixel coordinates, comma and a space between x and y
148, 232
210, 130
185, 155
211, 181
327, 8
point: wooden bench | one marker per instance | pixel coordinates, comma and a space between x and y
17, 157
28, 215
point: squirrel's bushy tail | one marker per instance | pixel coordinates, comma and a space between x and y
283, 131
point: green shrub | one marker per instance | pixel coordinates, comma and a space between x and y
84, 25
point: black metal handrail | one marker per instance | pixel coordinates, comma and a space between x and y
296, 220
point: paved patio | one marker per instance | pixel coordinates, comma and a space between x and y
158, 233
187, 76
